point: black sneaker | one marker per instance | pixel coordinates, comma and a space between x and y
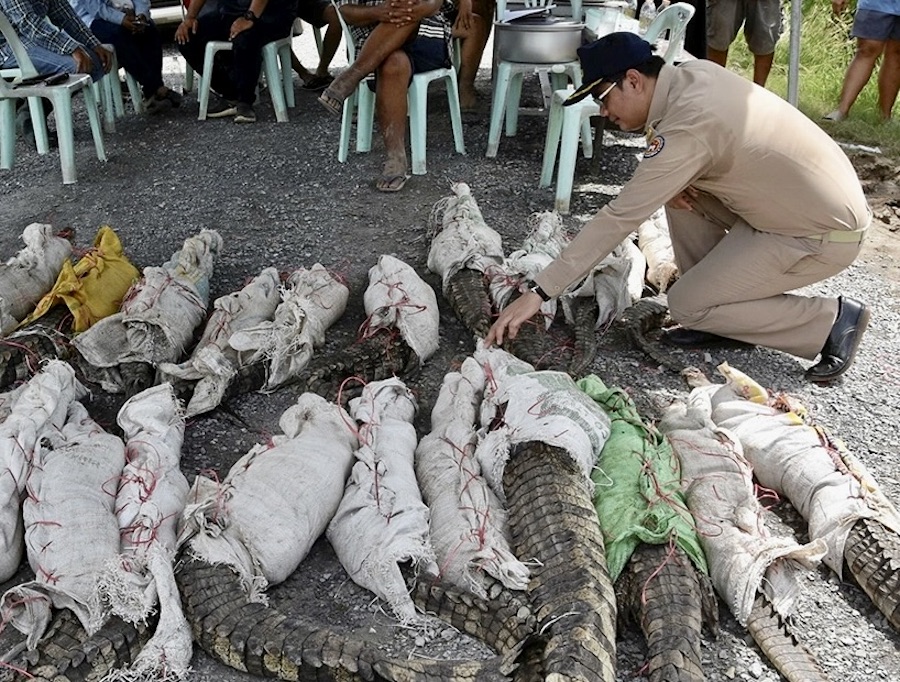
245, 113
221, 108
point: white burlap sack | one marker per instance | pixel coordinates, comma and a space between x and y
71, 529
830, 488
655, 244
30, 274
311, 301
8, 399
382, 520
468, 523
398, 297
743, 557
277, 499
540, 406
158, 317
35, 409
611, 283
462, 238
545, 241
214, 362
151, 496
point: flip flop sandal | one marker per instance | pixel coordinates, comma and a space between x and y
333, 105
317, 83
386, 183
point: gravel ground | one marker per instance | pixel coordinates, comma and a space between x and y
280, 198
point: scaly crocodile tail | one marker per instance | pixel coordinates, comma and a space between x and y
67, 652
468, 295
554, 524
872, 553
661, 588
259, 639
774, 637
643, 317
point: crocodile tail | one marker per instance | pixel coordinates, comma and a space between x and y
259, 639
872, 553
553, 524
643, 317
468, 294
774, 637
68, 653
661, 589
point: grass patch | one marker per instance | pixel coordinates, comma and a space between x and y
826, 49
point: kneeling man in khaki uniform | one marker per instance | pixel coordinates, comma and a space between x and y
760, 201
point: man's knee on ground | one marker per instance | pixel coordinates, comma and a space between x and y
681, 308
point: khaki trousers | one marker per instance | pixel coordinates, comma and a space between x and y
734, 279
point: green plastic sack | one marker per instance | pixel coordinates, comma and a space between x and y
638, 484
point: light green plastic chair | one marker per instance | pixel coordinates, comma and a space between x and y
60, 95
112, 104
362, 103
276, 68
567, 124
508, 76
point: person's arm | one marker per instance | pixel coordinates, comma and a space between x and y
364, 15
60, 12
36, 28
242, 24
665, 175
188, 25
658, 179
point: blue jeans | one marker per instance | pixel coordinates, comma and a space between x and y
46, 61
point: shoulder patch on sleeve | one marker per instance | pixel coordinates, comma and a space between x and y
655, 147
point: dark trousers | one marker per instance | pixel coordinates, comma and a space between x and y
235, 72
140, 54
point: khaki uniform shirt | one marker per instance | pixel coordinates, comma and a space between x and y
720, 133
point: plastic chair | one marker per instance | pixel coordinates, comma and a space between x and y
566, 124
508, 78
60, 95
362, 103
672, 20
112, 104
276, 68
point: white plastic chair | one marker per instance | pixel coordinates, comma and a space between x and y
508, 78
567, 124
362, 103
60, 95
276, 68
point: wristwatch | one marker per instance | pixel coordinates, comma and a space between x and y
536, 288
249, 16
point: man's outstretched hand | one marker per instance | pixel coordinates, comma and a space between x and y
512, 318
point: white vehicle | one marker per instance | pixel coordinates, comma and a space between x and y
166, 12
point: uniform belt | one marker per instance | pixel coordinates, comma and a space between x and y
840, 236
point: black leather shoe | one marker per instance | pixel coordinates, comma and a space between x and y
692, 338
840, 348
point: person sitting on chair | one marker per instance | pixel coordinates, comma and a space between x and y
318, 13
126, 25
54, 37
394, 40
56, 41
249, 26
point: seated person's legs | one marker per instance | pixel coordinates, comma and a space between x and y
474, 39
140, 54
384, 40
392, 83
319, 13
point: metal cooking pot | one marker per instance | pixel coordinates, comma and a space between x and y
538, 40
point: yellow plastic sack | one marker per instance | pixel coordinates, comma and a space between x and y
94, 287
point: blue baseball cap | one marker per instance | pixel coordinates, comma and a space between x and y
609, 56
